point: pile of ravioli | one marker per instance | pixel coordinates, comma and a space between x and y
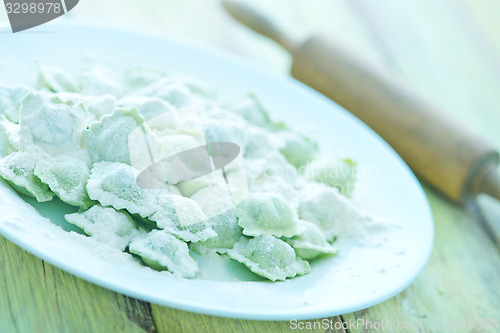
68, 138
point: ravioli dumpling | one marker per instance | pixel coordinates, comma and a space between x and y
149, 107
266, 214
181, 217
250, 108
272, 173
228, 233
198, 88
10, 101
56, 79
107, 140
98, 80
297, 149
332, 212
9, 136
18, 169
310, 242
162, 251
177, 143
169, 90
215, 198
339, 173
114, 184
225, 130
197, 232
67, 177
269, 257
97, 106
52, 127
191, 187
139, 77
261, 143
106, 225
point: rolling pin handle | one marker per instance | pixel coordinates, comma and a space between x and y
487, 182
443, 152
257, 21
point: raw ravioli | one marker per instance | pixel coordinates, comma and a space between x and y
228, 130
97, 106
260, 143
67, 177
297, 149
162, 251
330, 211
250, 109
272, 173
10, 101
266, 214
269, 257
52, 127
107, 140
115, 228
214, 199
228, 233
181, 217
177, 143
9, 136
138, 77
113, 184
310, 242
56, 79
149, 107
87, 137
98, 81
18, 168
198, 88
339, 173
169, 90
191, 187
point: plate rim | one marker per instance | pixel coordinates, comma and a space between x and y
288, 81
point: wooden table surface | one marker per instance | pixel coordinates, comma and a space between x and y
447, 50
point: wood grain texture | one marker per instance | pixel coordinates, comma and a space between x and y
460, 281
432, 143
37, 297
435, 146
436, 53
170, 320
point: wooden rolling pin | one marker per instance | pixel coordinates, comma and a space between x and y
437, 148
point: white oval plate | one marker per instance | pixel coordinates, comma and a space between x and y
367, 271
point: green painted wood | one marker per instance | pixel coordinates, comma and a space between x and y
37, 297
432, 46
170, 320
460, 281
448, 50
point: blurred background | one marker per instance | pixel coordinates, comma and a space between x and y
448, 51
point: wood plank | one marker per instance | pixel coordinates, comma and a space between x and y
434, 55
171, 320
441, 51
38, 297
463, 263
460, 281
